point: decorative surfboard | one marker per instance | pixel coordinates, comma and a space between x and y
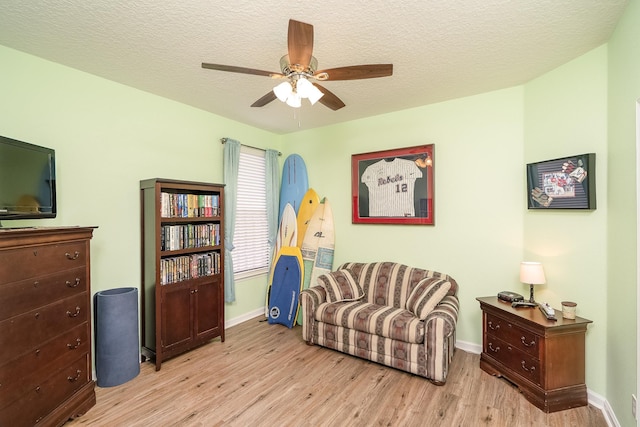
295, 182
286, 285
287, 236
318, 246
308, 206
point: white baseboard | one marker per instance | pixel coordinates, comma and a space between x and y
469, 347
607, 411
247, 316
594, 398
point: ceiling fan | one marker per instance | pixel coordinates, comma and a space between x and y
299, 70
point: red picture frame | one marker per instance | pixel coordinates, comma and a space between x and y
393, 186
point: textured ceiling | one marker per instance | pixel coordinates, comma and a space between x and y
440, 49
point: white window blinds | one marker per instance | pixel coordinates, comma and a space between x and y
251, 247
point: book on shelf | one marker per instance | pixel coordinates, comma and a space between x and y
180, 268
187, 205
187, 236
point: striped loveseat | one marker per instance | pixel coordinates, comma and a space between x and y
385, 312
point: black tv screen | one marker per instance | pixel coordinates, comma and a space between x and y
27, 180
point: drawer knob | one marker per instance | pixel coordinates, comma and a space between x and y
524, 366
77, 312
75, 255
492, 327
495, 350
524, 342
74, 346
76, 378
36, 284
38, 389
37, 315
73, 284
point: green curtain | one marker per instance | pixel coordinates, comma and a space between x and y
231, 165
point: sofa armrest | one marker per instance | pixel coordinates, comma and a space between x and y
310, 299
445, 314
440, 337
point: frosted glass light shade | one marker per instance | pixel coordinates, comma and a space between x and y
283, 91
315, 95
294, 100
304, 87
532, 273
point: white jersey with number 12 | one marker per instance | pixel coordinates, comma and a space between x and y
391, 186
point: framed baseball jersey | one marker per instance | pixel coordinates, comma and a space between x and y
393, 186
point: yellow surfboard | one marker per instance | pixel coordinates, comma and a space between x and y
308, 206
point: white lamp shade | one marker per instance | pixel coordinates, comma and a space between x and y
294, 100
532, 273
315, 95
304, 87
283, 90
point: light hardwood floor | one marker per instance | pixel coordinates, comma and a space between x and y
265, 375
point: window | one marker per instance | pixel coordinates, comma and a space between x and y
250, 240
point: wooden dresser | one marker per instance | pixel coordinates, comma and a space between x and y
45, 326
544, 358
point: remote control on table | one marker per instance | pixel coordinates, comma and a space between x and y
517, 304
548, 311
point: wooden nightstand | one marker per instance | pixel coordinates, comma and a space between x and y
543, 358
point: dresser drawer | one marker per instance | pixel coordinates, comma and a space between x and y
27, 370
511, 357
26, 331
44, 397
26, 295
517, 337
34, 261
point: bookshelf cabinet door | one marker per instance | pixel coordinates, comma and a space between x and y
207, 310
176, 316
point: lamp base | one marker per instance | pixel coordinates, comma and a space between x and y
531, 300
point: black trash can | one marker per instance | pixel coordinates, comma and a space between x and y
116, 332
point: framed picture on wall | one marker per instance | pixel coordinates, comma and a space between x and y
393, 186
564, 183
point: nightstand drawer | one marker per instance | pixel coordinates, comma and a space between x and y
512, 358
517, 337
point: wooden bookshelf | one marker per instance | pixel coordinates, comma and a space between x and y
182, 255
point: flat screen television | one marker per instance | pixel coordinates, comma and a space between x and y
27, 180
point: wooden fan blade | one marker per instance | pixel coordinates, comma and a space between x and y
242, 70
329, 99
270, 96
300, 43
357, 72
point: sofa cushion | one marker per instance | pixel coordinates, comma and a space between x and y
426, 295
340, 286
395, 323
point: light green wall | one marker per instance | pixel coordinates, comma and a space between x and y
479, 196
110, 136
107, 138
622, 333
566, 114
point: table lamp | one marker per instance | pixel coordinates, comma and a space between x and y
533, 274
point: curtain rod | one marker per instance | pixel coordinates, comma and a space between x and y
223, 140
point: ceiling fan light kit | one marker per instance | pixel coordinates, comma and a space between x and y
299, 69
